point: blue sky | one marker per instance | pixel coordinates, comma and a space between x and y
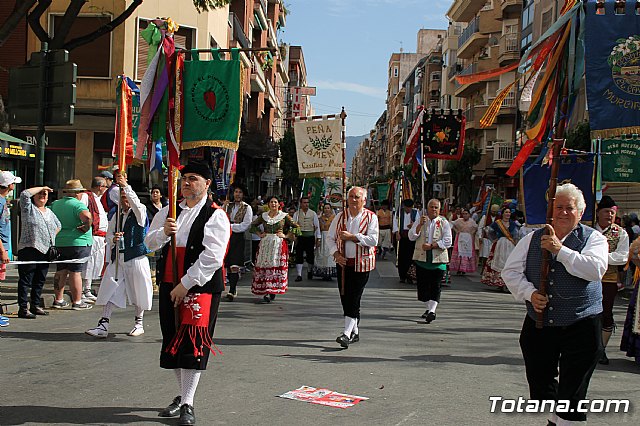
347, 45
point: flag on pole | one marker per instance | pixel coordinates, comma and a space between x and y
123, 141
413, 141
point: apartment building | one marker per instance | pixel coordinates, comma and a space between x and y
490, 38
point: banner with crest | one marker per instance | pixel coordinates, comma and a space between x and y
443, 136
612, 48
318, 147
620, 160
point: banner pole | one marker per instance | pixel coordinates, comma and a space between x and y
422, 132
343, 116
596, 165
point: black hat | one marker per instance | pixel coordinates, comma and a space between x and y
408, 202
606, 203
198, 168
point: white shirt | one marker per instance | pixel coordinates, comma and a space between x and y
104, 220
620, 255
314, 216
353, 226
215, 240
446, 240
246, 220
589, 265
407, 221
136, 207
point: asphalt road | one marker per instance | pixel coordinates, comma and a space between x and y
412, 373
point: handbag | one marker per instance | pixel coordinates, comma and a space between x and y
53, 253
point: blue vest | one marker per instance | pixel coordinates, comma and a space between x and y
133, 239
570, 298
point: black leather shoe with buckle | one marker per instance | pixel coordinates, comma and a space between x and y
343, 340
187, 415
173, 409
354, 338
430, 317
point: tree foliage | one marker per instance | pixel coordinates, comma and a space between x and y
460, 172
579, 137
207, 5
289, 159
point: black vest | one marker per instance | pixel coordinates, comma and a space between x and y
192, 251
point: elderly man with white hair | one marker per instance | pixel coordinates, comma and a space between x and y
570, 340
353, 242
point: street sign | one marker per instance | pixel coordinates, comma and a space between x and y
25, 91
306, 91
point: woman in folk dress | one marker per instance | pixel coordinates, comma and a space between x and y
505, 234
631, 332
270, 276
324, 265
464, 258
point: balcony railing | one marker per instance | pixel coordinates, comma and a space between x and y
503, 152
470, 69
238, 32
472, 28
509, 43
454, 69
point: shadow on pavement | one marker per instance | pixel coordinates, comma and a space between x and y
271, 342
59, 337
17, 415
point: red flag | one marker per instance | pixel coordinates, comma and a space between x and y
414, 140
123, 141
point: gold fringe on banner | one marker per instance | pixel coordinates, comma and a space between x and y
492, 112
611, 133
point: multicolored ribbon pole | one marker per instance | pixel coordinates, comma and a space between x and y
343, 135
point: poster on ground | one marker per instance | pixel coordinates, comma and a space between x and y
323, 397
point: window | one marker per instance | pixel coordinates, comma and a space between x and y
435, 76
488, 5
184, 38
527, 14
89, 64
395, 71
546, 21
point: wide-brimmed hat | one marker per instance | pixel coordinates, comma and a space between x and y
73, 186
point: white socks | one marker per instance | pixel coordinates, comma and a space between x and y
431, 305
86, 285
107, 310
349, 324
299, 269
355, 328
190, 379
178, 373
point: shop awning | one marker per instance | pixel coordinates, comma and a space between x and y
9, 138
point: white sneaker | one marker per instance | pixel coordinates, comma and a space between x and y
87, 300
89, 297
101, 331
137, 330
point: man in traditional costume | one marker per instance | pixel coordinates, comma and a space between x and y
483, 242
570, 340
407, 216
353, 243
100, 222
384, 222
618, 241
240, 215
432, 236
309, 238
202, 232
127, 278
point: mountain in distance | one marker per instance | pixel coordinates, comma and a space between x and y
352, 145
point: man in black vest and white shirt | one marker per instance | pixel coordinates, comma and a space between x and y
202, 232
407, 216
570, 340
240, 215
308, 240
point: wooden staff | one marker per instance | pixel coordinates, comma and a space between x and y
343, 116
553, 183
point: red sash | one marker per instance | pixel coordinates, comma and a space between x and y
168, 266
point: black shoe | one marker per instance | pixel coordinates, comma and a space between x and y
187, 416
266, 299
604, 360
343, 340
24, 313
173, 409
309, 275
37, 310
272, 297
426, 313
430, 317
354, 338
298, 279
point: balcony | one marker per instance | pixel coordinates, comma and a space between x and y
511, 6
502, 154
465, 10
471, 40
509, 49
461, 89
271, 36
257, 76
260, 14
473, 115
454, 69
271, 95
509, 104
237, 33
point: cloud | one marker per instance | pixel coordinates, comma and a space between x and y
374, 92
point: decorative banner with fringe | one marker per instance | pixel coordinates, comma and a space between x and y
212, 101
623, 162
575, 169
443, 135
612, 69
318, 147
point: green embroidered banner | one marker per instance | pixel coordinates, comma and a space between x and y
620, 160
212, 102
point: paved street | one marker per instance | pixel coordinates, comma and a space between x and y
413, 373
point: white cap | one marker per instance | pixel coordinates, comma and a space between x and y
7, 178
